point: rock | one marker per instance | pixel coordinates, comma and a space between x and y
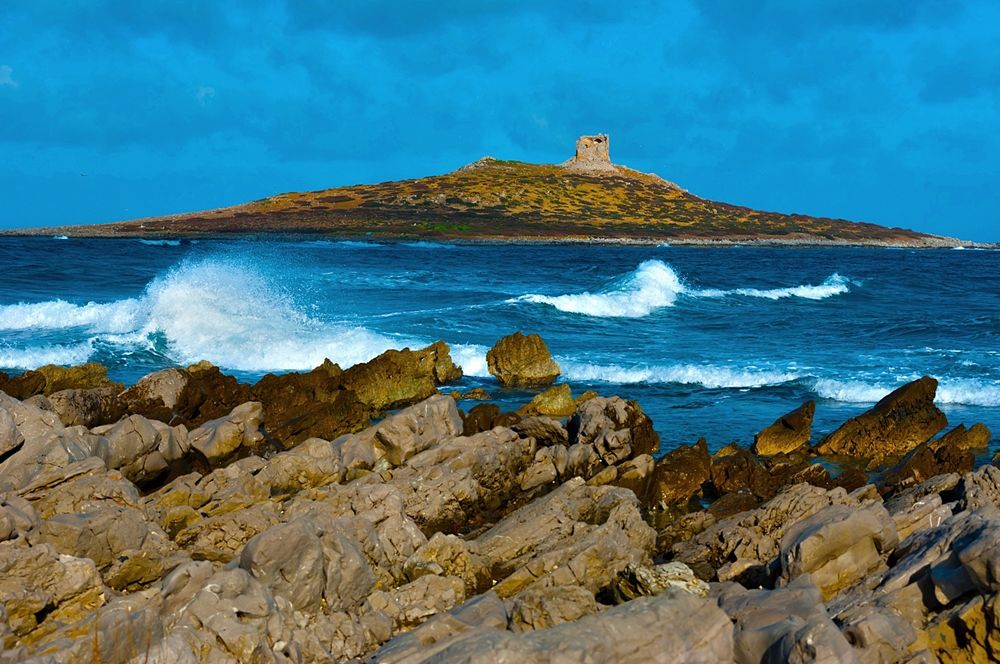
636, 474
969, 632
736, 502
742, 471
220, 537
288, 558
80, 377
577, 534
788, 433
679, 475
89, 408
878, 634
926, 461
10, 435
898, 423
557, 401
411, 604
47, 452
950, 561
980, 489
417, 428
310, 405
189, 396
475, 394
313, 463
522, 361
41, 589
141, 448
789, 624
975, 438
21, 387
838, 545
103, 535
643, 581
541, 608
401, 377
699, 632
616, 428
446, 555
444, 629
240, 430
486, 416
225, 615
545, 430
744, 547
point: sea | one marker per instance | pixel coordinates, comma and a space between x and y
711, 341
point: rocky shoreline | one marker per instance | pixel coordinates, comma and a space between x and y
359, 514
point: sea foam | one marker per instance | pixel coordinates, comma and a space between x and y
655, 285
708, 376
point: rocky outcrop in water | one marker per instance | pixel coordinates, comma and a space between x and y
436, 535
522, 360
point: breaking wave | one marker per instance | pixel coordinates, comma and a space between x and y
655, 285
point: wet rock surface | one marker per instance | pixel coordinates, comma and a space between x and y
217, 527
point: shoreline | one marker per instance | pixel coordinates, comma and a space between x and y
342, 514
732, 241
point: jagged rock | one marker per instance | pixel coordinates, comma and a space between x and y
52, 378
736, 502
313, 463
417, 428
309, 405
745, 546
104, 534
401, 377
977, 437
577, 534
414, 602
143, 448
545, 430
486, 416
679, 475
541, 608
446, 555
17, 518
636, 474
967, 633
877, 634
221, 537
47, 447
788, 433
41, 589
898, 423
443, 630
789, 624
699, 633
950, 561
742, 471
226, 615
240, 430
90, 408
189, 396
838, 545
557, 401
642, 581
616, 428
980, 488
288, 558
522, 360
10, 436
926, 461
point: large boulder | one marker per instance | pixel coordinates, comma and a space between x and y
679, 475
898, 423
838, 545
617, 429
788, 433
522, 360
401, 377
190, 396
239, 430
51, 378
90, 407
299, 406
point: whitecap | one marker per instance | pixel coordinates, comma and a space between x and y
965, 392
651, 286
161, 243
60, 237
119, 316
33, 357
472, 359
655, 285
708, 376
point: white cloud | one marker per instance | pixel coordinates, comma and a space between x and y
205, 94
6, 77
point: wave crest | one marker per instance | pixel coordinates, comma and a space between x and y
655, 285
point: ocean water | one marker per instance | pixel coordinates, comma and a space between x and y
714, 342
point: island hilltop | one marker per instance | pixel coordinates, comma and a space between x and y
586, 198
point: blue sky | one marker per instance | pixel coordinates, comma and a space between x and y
878, 111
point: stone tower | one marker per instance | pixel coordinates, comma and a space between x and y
593, 149
592, 155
